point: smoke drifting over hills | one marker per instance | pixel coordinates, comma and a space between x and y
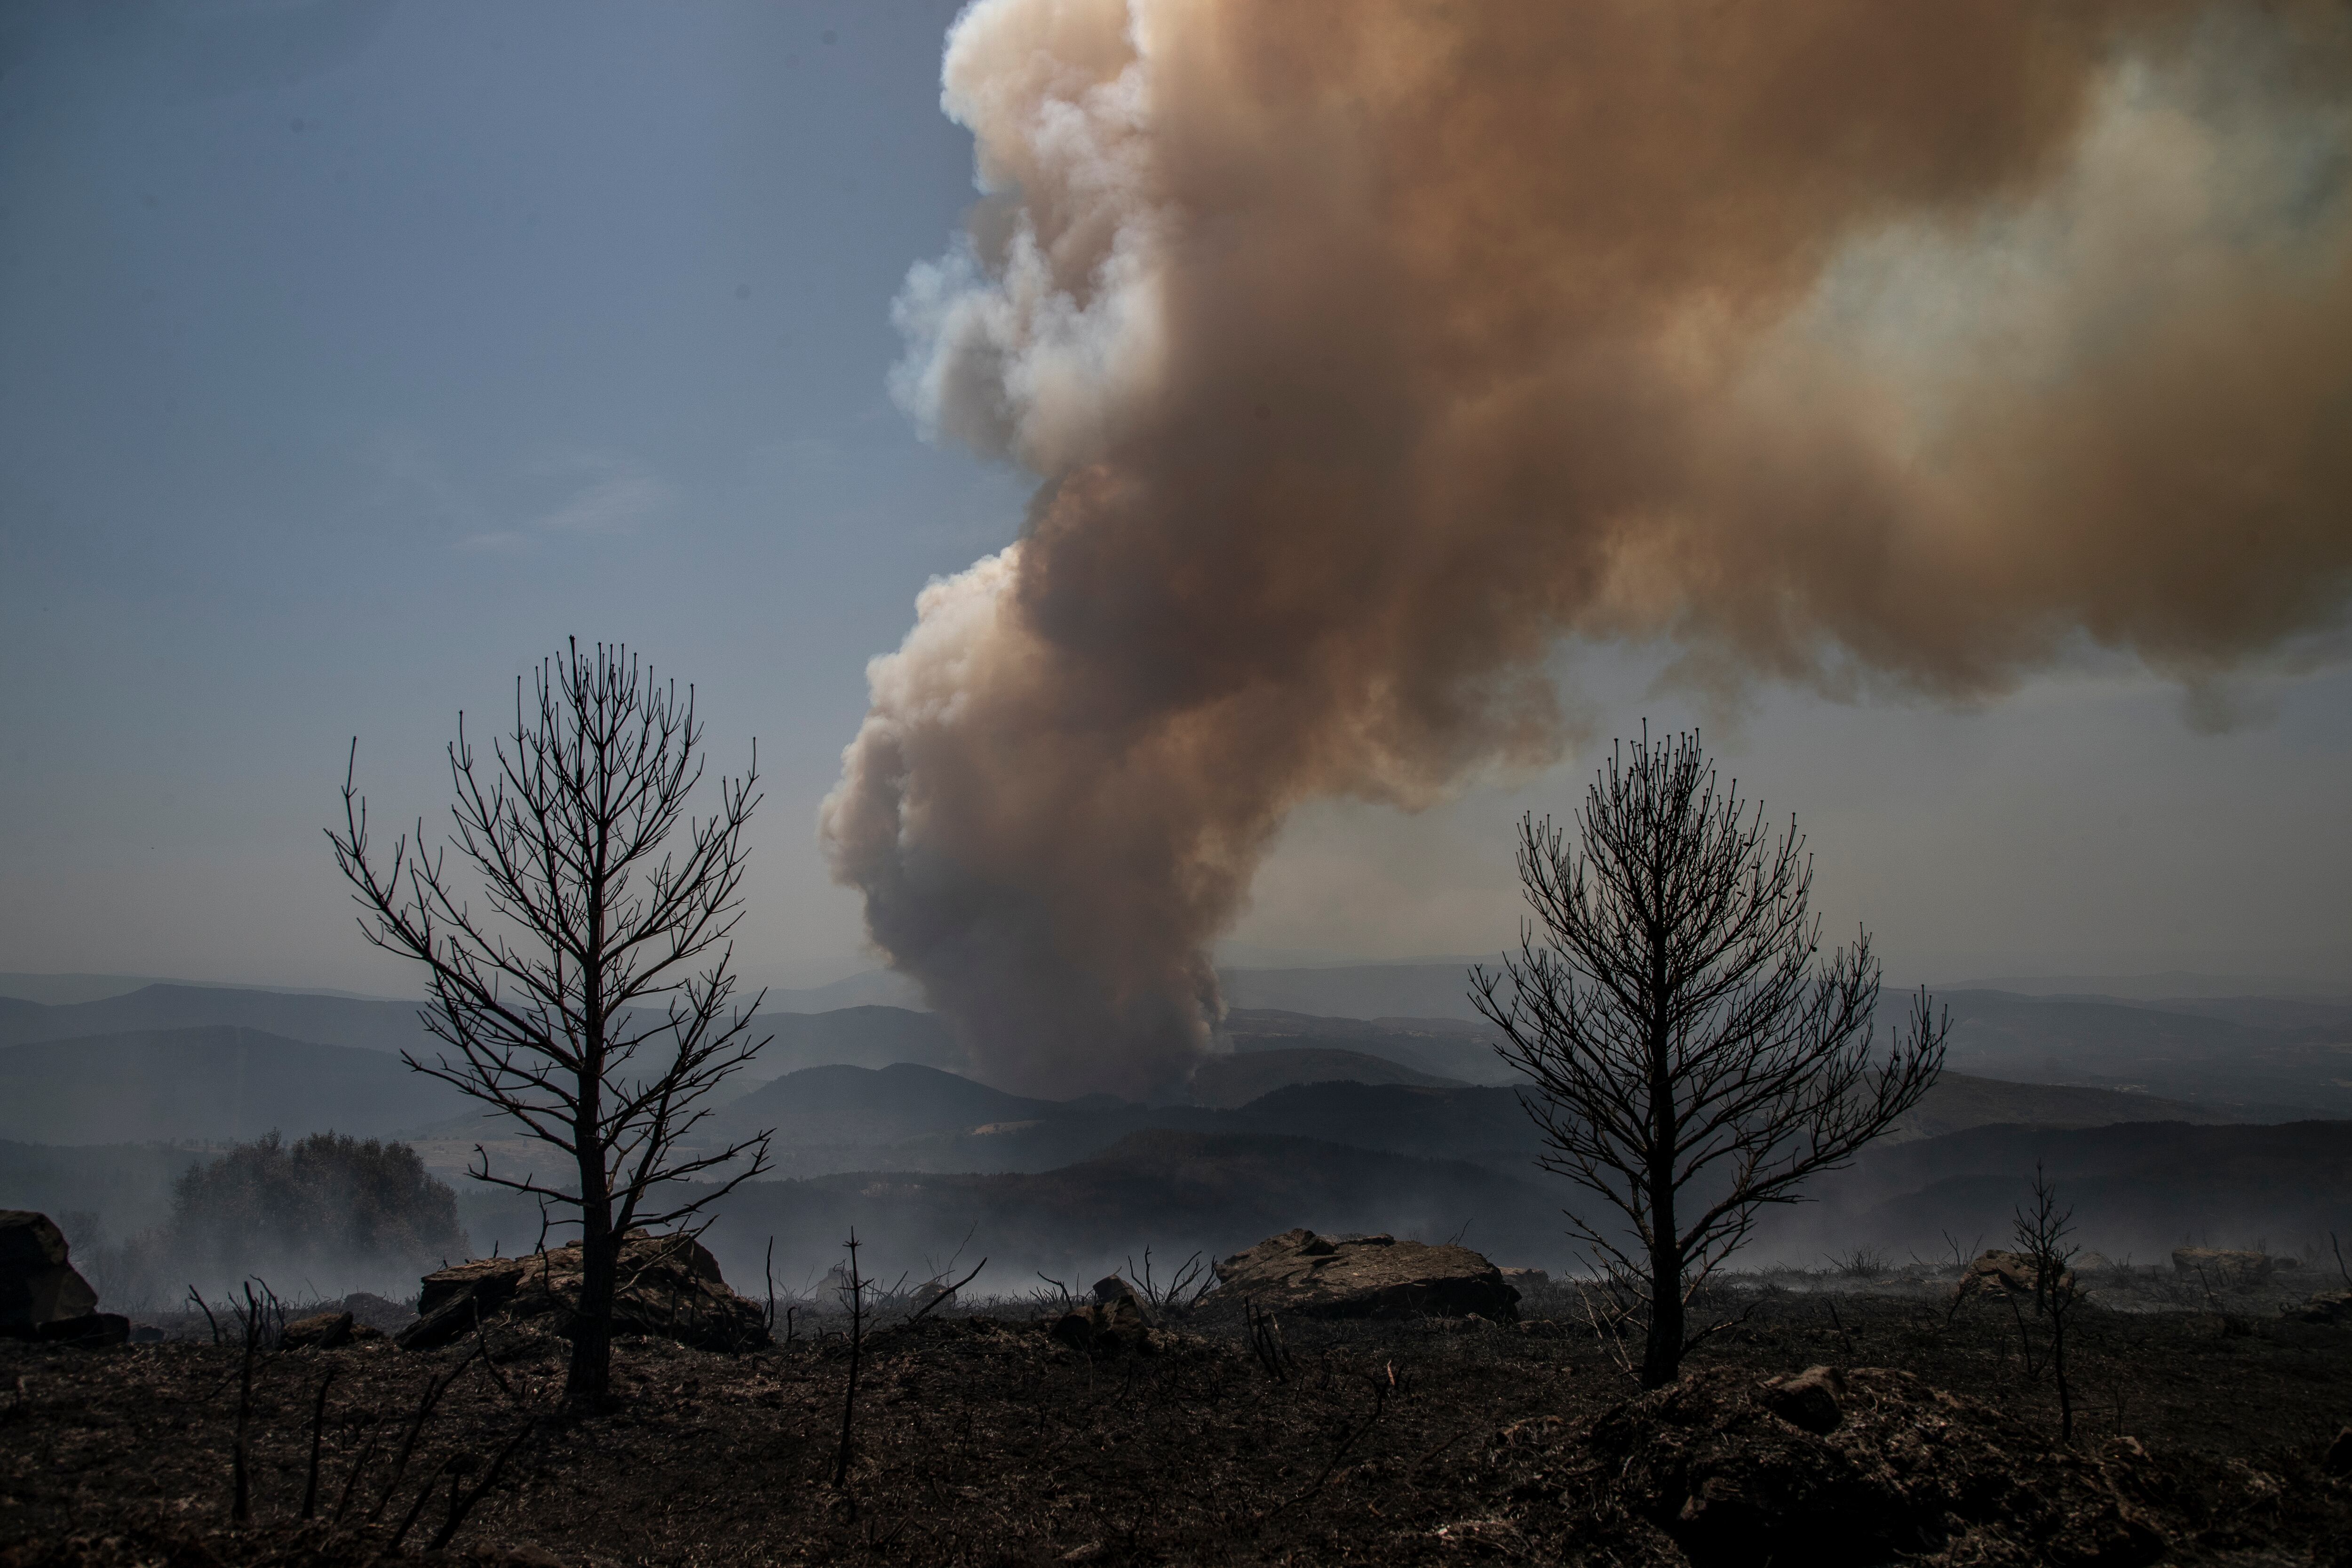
1366, 350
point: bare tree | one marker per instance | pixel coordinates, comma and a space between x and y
589, 998
1691, 1060
2042, 1232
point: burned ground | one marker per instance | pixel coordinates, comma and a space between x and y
2200, 1437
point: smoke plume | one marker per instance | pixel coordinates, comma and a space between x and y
1367, 349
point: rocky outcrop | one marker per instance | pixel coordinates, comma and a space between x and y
41, 1295
1365, 1276
1831, 1468
668, 1287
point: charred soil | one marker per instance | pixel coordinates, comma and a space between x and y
982, 1440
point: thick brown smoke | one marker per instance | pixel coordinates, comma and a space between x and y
1367, 348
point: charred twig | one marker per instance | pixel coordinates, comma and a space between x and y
318, 1433
1839, 1325
351, 1479
462, 1504
424, 1494
434, 1389
254, 1320
1379, 1408
947, 1294
1193, 1281
855, 1292
1265, 1341
202, 1306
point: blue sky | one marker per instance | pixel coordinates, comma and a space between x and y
354, 355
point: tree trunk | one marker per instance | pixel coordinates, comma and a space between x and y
1661, 1356
591, 1327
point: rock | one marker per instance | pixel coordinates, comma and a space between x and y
1517, 1277
2328, 1307
2218, 1266
1117, 1318
39, 1291
669, 1288
318, 1331
1808, 1401
1999, 1270
1113, 1292
1711, 1464
375, 1314
1366, 1276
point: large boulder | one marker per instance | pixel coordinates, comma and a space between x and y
41, 1295
668, 1287
1366, 1276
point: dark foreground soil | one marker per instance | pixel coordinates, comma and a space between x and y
979, 1440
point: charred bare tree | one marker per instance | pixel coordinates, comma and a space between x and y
587, 994
2042, 1232
1691, 1057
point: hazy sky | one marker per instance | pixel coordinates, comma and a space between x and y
354, 355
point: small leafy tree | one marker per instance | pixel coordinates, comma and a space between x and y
322, 1201
587, 996
1689, 1060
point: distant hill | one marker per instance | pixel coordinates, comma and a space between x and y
1237, 1080
1173, 1192
1447, 1047
867, 1036
2254, 1074
1960, 1100
291, 1014
214, 1083
841, 1105
2139, 1188
1434, 990
95, 1193
2170, 985
56, 990
873, 988
908, 1117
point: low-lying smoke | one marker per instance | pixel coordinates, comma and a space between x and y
1366, 350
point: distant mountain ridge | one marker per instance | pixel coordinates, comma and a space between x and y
292, 1015
214, 1083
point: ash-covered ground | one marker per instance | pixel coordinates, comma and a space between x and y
2207, 1431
